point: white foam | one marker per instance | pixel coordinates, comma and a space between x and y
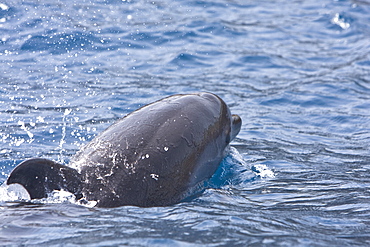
260, 170
13, 192
16, 192
59, 196
263, 171
62, 196
4, 6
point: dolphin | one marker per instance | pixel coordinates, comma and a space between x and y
157, 155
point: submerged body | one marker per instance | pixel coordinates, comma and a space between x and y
155, 156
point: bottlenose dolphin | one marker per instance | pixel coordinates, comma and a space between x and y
155, 156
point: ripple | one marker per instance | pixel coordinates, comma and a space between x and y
61, 43
296, 72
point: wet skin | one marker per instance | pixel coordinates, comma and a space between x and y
155, 156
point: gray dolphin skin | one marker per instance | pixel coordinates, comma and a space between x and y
155, 156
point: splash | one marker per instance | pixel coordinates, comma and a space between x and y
26, 129
235, 170
64, 133
263, 171
259, 170
62, 196
4, 6
17, 193
338, 20
13, 192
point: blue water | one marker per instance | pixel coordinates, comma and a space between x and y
297, 72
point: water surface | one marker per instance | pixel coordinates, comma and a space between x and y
297, 72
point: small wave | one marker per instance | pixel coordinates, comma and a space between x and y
233, 170
61, 42
187, 60
259, 170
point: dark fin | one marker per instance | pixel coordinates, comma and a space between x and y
236, 124
42, 176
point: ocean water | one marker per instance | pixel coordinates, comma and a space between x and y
297, 72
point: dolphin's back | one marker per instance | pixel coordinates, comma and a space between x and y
153, 156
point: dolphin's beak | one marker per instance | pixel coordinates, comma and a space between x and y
236, 124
